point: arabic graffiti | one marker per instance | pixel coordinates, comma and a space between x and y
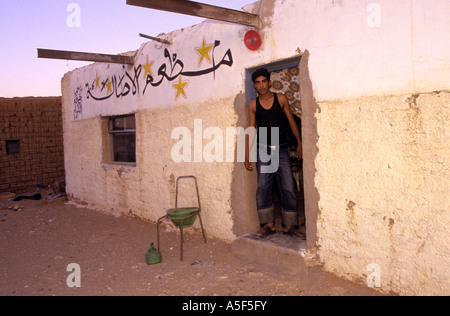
78, 102
121, 86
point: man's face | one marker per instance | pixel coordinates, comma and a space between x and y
262, 85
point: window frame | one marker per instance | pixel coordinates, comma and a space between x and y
111, 132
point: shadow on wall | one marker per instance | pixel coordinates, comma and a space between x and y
310, 150
244, 184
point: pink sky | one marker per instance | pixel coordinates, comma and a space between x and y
106, 26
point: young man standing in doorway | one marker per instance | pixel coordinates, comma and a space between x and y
271, 113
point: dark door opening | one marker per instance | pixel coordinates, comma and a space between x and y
285, 77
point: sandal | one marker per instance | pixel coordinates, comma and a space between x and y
265, 231
294, 233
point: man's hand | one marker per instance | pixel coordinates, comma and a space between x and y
248, 165
299, 152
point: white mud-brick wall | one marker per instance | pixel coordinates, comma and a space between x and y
374, 87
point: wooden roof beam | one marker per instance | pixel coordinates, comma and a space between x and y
200, 10
67, 55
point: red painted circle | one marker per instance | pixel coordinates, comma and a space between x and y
252, 40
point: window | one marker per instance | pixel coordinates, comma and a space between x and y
122, 131
12, 147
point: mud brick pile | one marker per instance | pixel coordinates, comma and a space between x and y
31, 143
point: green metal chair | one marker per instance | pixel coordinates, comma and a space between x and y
182, 217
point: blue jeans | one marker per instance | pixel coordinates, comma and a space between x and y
285, 181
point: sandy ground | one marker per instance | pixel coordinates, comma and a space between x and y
40, 239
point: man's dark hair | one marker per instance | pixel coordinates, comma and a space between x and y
262, 72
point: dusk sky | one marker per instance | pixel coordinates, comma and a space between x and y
104, 26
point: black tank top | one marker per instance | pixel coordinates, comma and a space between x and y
274, 117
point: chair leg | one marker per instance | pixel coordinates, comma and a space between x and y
157, 231
182, 240
203, 231
181, 233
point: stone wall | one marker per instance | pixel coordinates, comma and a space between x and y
32, 129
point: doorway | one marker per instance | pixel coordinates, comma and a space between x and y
285, 77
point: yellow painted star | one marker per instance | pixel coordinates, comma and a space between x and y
180, 88
97, 82
204, 52
148, 68
108, 85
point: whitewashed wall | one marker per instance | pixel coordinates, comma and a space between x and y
375, 98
